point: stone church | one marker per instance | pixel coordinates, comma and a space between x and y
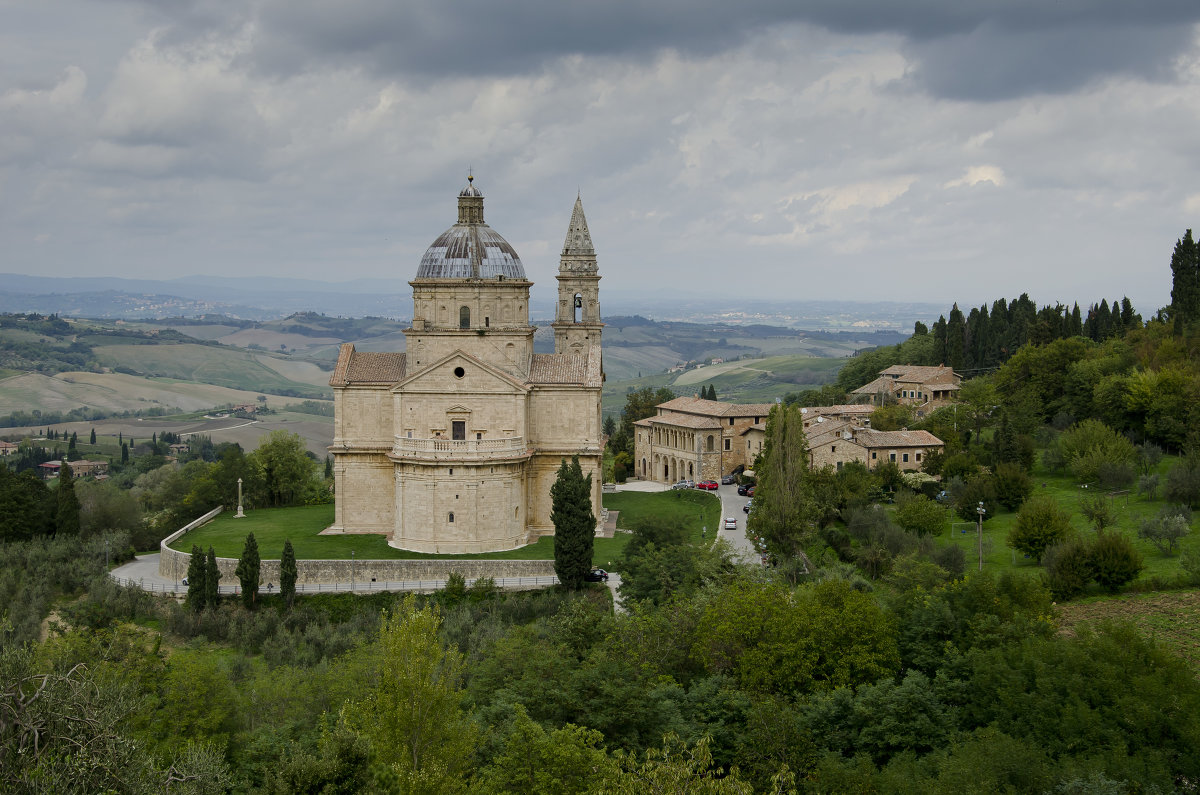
452, 446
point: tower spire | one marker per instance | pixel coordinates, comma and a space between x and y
578, 255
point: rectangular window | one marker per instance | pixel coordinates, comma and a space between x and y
727, 443
906, 458
731, 420
872, 455
918, 456
458, 430
839, 466
892, 456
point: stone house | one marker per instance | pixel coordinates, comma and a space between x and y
926, 388
695, 439
452, 445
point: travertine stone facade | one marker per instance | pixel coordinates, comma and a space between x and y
452, 446
695, 439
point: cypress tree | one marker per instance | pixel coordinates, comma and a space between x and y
956, 333
93, 439
197, 590
574, 523
287, 573
124, 453
1185, 282
1076, 325
939, 340
66, 514
248, 571
1129, 319
212, 579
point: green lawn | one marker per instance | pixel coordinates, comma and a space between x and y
696, 509
1130, 511
272, 526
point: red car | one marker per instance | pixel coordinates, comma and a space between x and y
710, 485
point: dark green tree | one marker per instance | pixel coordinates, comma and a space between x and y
93, 439
287, 573
1115, 562
248, 571
196, 586
783, 514
66, 514
1040, 525
212, 579
124, 453
1185, 282
956, 333
574, 523
610, 426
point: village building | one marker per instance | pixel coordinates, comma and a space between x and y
691, 438
9, 448
79, 469
925, 388
452, 445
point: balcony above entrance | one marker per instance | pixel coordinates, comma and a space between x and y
450, 450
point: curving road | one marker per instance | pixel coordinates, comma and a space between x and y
731, 505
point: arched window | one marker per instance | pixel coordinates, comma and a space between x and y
464, 317
709, 443
577, 304
452, 516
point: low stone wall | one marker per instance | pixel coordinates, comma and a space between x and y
173, 564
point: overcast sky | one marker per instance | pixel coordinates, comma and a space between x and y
920, 150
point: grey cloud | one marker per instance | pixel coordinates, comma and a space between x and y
983, 49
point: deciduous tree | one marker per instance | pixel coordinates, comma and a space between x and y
1040, 524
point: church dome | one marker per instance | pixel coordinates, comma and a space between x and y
470, 249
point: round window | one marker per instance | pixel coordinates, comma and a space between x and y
459, 372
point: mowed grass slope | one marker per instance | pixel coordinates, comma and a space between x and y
302, 525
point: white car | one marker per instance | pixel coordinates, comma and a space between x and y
730, 523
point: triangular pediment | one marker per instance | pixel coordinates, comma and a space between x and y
477, 376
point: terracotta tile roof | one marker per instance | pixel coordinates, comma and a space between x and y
366, 367
878, 385
875, 439
559, 368
758, 426
919, 373
684, 420
717, 408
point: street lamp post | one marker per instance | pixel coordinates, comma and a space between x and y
980, 510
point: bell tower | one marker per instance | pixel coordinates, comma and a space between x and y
577, 325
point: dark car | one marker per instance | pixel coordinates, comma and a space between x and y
743, 488
728, 480
596, 575
747, 506
707, 485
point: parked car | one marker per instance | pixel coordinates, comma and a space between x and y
744, 489
707, 485
746, 507
596, 575
683, 484
728, 480
730, 523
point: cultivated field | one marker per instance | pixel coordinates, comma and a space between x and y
1170, 618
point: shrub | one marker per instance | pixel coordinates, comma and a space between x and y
1147, 486
1115, 474
952, 558
960, 465
921, 516
1114, 561
1165, 530
1097, 509
1040, 524
1183, 483
1149, 454
1013, 485
1068, 568
980, 488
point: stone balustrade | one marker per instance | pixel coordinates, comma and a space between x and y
458, 449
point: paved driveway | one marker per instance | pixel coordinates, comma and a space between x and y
731, 505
